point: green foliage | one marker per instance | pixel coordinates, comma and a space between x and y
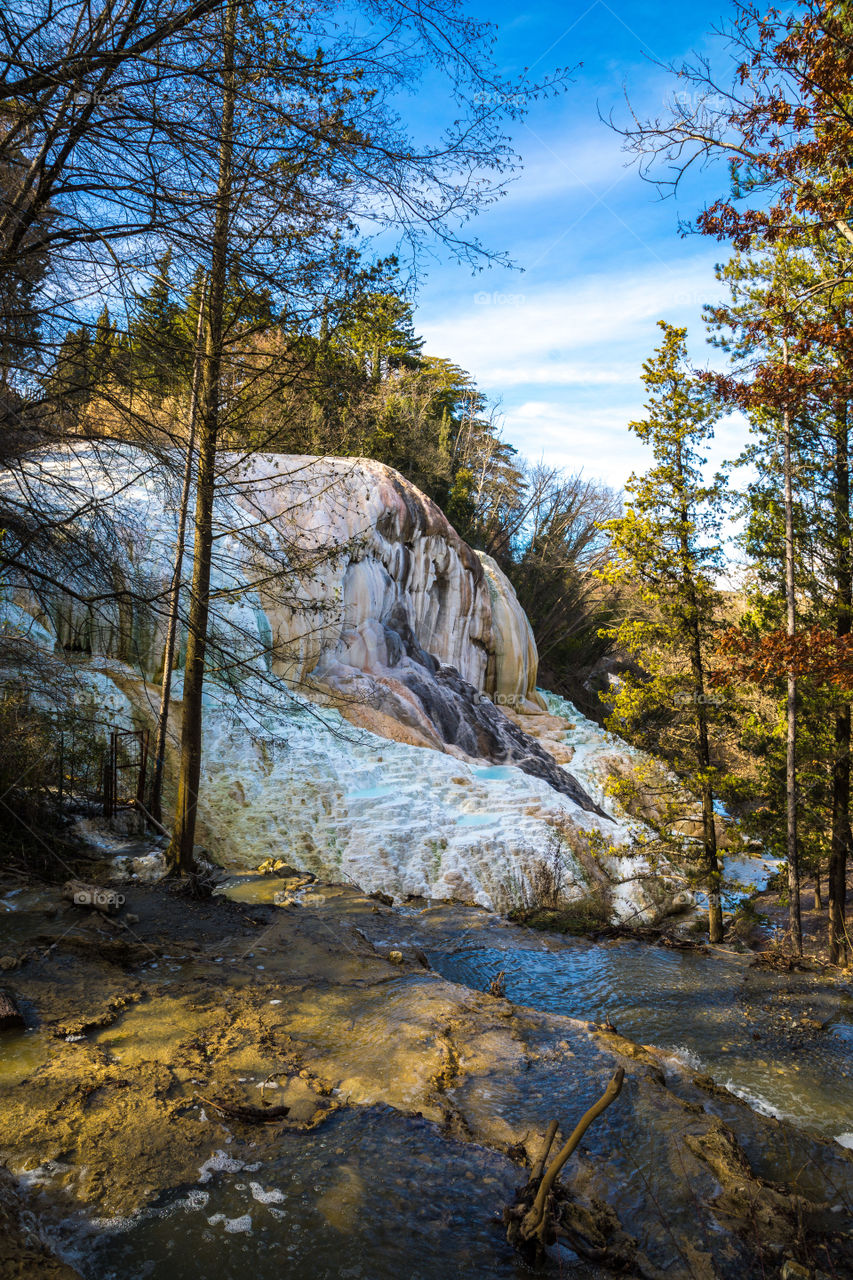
153, 333
666, 554
786, 284
72, 380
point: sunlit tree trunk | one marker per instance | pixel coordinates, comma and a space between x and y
837, 887
711, 866
180, 854
175, 588
791, 847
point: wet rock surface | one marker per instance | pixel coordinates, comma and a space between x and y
105, 1101
24, 1255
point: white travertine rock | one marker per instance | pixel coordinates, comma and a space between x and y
399, 556
334, 582
362, 544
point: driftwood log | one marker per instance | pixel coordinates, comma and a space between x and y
533, 1221
11, 1018
93, 897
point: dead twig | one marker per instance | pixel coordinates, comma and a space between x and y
248, 1114
533, 1219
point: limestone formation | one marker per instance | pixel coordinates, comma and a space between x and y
371, 703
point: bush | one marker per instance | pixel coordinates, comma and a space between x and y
41, 756
583, 915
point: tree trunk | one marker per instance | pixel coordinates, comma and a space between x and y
791, 848
711, 866
175, 589
837, 881
180, 853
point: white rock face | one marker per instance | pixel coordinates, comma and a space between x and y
362, 544
358, 734
379, 553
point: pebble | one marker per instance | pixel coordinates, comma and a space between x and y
396, 957
793, 1271
8, 962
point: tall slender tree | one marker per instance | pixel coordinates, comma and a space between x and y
173, 618
666, 547
788, 337
183, 833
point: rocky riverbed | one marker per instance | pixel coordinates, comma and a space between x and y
157, 1040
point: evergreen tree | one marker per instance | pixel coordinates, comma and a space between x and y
71, 381
787, 329
157, 353
666, 549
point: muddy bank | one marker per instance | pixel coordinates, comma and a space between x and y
154, 1039
764, 923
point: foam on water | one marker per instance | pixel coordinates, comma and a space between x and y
274, 1196
219, 1162
234, 1226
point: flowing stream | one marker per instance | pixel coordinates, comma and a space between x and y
371, 1195
753, 1031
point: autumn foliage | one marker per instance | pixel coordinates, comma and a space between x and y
813, 652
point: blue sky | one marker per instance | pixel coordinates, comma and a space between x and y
561, 342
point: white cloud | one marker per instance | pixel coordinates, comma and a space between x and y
595, 441
547, 335
553, 168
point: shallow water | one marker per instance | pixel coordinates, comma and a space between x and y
711, 1010
369, 1196
374, 1195
494, 772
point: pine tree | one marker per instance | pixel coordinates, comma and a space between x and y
666, 550
71, 380
157, 351
787, 330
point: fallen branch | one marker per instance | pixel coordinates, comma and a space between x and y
150, 819
249, 1114
539, 1167
533, 1219
529, 1222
